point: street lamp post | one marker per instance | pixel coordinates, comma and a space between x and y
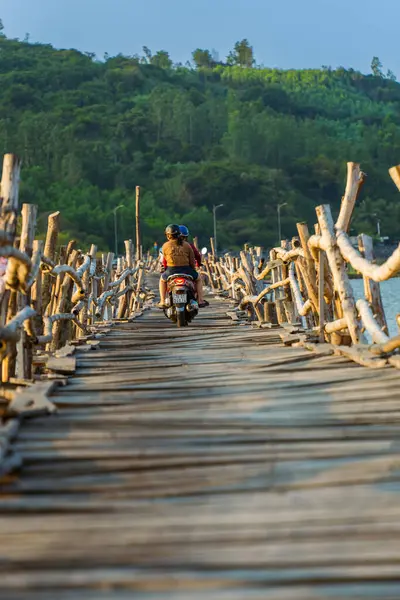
215, 225
279, 220
378, 225
116, 228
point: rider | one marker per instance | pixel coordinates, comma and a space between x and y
179, 258
185, 235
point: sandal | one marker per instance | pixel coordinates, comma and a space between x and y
204, 304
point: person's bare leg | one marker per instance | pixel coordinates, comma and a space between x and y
199, 290
163, 290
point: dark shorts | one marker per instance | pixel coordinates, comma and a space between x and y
176, 270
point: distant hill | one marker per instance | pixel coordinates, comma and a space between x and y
248, 138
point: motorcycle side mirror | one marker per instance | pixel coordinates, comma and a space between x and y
204, 251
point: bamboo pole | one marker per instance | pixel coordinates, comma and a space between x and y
9, 204
36, 290
335, 326
327, 242
93, 281
24, 347
212, 246
355, 181
9, 197
287, 293
372, 289
369, 322
9, 362
276, 277
321, 301
394, 173
64, 305
53, 228
138, 233
375, 272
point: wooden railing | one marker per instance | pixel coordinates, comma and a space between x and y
304, 285
53, 298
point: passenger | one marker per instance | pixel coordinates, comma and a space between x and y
179, 258
185, 235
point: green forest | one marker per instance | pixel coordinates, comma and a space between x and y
194, 135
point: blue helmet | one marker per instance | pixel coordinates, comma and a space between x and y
184, 231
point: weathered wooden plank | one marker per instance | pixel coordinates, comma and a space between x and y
246, 469
33, 400
66, 365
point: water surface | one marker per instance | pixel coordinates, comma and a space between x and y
390, 291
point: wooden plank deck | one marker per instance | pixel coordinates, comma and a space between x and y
210, 462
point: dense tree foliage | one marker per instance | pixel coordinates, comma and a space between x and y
192, 136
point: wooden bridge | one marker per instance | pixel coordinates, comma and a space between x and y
248, 456
207, 463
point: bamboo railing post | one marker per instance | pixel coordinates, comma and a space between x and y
371, 288
93, 282
122, 305
9, 205
9, 197
107, 280
355, 181
137, 302
61, 329
138, 233
286, 290
85, 310
321, 301
36, 291
232, 273
60, 258
108, 269
394, 173
270, 315
24, 347
53, 229
9, 362
276, 276
339, 273
309, 274
29, 215
212, 246
87, 280
125, 300
206, 263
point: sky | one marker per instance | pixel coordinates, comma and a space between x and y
284, 33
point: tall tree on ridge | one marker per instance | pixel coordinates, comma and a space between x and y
242, 55
202, 58
376, 67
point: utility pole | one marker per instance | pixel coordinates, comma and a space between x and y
116, 228
138, 239
279, 221
215, 227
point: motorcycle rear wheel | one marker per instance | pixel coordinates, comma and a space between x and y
181, 318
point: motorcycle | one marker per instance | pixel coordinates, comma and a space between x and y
181, 300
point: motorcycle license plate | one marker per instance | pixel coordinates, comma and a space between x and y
179, 298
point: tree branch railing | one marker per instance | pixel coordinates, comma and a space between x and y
305, 283
54, 295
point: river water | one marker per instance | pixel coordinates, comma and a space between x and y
390, 291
